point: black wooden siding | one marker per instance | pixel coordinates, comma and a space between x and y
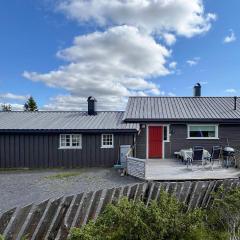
42, 151
229, 134
141, 143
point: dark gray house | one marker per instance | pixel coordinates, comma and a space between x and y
156, 127
63, 139
168, 124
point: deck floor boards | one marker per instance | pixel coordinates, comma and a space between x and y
172, 169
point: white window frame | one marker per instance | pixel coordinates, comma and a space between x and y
168, 133
107, 146
71, 137
202, 125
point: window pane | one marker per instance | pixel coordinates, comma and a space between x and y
76, 140
165, 133
107, 140
63, 141
70, 140
75, 144
202, 128
202, 131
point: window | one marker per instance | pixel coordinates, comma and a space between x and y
70, 141
107, 140
203, 131
166, 133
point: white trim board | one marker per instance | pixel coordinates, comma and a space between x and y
163, 142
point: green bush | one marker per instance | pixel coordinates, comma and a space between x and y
22, 238
164, 219
224, 214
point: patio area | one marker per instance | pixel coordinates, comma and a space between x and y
174, 169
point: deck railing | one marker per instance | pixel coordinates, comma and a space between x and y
136, 167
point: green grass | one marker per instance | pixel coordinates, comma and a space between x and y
64, 175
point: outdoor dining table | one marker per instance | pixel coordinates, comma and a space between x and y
186, 153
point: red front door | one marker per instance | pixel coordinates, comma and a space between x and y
155, 141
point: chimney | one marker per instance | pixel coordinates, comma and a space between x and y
235, 103
197, 90
91, 105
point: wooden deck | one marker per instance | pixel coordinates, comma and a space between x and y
172, 169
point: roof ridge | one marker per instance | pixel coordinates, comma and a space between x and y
55, 111
182, 97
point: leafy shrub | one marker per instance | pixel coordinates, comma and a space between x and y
162, 219
22, 238
224, 214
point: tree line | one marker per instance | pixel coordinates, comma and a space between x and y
30, 106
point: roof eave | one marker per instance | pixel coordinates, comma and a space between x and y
134, 130
172, 120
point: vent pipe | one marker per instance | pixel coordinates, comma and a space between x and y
235, 103
91, 105
197, 90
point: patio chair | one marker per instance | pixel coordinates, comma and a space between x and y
197, 156
215, 155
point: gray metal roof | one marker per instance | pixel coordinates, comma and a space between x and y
182, 109
50, 120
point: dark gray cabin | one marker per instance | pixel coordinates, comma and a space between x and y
155, 127
62, 139
168, 124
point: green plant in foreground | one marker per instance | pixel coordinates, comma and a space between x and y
224, 214
162, 219
22, 238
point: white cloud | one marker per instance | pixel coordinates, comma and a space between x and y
121, 61
193, 62
110, 65
173, 65
230, 38
183, 17
16, 101
230, 90
171, 94
76, 103
169, 38
12, 96
203, 82
15, 106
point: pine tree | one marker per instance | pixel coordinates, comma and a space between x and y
6, 107
30, 105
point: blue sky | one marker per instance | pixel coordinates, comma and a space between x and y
115, 56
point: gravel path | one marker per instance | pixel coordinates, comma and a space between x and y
19, 188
